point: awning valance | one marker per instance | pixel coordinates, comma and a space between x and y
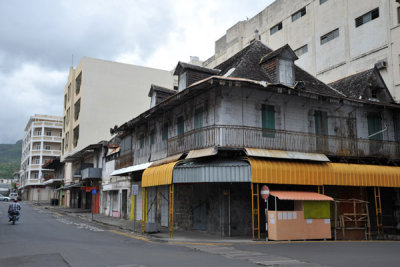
312, 173
134, 168
160, 175
300, 195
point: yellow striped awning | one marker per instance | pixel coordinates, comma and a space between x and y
313, 173
159, 175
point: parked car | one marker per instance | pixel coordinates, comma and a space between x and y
4, 198
14, 195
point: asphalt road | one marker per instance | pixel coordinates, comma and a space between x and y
43, 238
46, 238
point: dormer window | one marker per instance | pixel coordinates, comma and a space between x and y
374, 93
182, 81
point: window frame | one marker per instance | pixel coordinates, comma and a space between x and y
276, 28
327, 37
48, 133
268, 120
363, 19
301, 49
295, 16
322, 2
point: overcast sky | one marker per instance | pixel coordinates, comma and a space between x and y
38, 39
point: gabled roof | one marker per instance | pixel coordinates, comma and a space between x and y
356, 85
182, 66
157, 88
285, 52
246, 64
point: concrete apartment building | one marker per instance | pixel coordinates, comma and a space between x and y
41, 143
98, 95
332, 38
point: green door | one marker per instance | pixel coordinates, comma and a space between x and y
198, 124
321, 130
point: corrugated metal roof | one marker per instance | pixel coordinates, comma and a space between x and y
213, 171
313, 173
199, 153
269, 153
160, 175
134, 168
299, 195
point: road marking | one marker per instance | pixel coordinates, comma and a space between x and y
58, 214
198, 243
131, 236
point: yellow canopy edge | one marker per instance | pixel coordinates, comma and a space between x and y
313, 173
159, 175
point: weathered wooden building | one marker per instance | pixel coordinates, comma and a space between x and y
257, 119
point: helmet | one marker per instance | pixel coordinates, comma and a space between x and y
15, 200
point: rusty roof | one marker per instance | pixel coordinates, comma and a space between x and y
300, 195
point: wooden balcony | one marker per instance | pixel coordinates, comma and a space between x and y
124, 161
240, 137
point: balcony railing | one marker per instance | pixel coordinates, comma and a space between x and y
124, 161
91, 173
239, 137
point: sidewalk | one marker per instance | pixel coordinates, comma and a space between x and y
163, 235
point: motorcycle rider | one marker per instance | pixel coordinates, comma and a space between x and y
14, 207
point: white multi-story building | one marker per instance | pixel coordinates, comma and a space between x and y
98, 95
41, 143
332, 38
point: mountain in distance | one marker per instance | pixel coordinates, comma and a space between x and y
10, 159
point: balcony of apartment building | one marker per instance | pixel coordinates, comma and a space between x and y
49, 124
254, 137
47, 136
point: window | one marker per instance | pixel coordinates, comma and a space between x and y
198, 123
268, 120
165, 132
367, 17
36, 175
182, 81
47, 147
60, 134
374, 93
322, 1
321, 130
276, 28
374, 126
76, 135
37, 161
39, 133
126, 145
180, 125
65, 101
78, 83
69, 92
64, 124
48, 133
329, 36
299, 14
77, 109
301, 51
398, 15
141, 141
68, 111
66, 140
38, 146
152, 136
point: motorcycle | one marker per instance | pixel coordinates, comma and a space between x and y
14, 217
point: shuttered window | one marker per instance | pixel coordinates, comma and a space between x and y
165, 132
180, 125
268, 120
374, 126
367, 17
321, 122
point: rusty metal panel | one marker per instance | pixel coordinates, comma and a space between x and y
160, 175
323, 173
300, 195
167, 160
213, 172
130, 169
199, 153
269, 153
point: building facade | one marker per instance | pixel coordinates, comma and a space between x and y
41, 143
332, 38
200, 156
98, 95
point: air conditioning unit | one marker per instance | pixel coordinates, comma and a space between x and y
381, 64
